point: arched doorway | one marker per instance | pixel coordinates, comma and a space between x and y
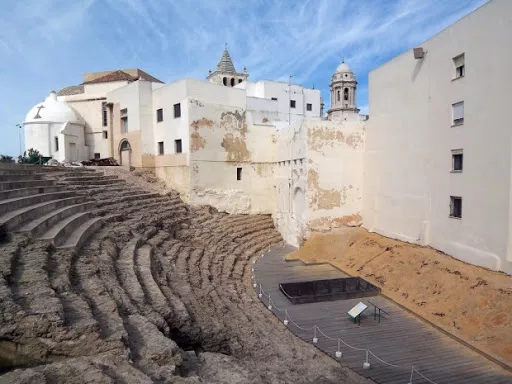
299, 207
125, 153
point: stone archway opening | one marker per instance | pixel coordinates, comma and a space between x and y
125, 153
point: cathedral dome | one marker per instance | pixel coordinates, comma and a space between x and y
51, 110
343, 67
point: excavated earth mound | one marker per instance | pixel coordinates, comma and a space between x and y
470, 302
160, 294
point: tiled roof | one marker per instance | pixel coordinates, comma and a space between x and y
147, 77
121, 75
71, 90
112, 76
225, 63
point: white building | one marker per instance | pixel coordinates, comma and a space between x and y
240, 146
438, 151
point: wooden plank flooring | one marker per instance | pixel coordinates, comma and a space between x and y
400, 339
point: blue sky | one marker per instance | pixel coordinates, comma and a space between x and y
49, 44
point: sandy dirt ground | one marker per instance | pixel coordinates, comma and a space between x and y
470, 302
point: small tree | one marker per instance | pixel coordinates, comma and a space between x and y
31, 156
6, 159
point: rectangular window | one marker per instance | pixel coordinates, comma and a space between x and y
177, 146
292, 103
309, 107
104, 113
177, 110
105, 134
457, 160
458, 113
97, 156
456, 207
274, 98
239, 173
160, 147
159, 115
56, 143
124, 120
460, 68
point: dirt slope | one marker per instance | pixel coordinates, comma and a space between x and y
470, 302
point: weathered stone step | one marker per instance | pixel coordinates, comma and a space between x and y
88, 178
77, 313
59, 233
124, 199
80, 235
21, 177
39, 226
20, 202
96, 182
15, 219
12, 193
15, 170
5, 185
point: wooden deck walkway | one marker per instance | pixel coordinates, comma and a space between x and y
400, 339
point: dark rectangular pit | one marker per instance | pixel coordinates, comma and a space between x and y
328, 290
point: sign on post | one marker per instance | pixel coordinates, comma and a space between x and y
357, 310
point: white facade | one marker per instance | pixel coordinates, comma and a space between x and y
55, 130
412, 134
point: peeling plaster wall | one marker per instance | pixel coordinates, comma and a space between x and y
335, 174
222, 140
290, 176
408, 178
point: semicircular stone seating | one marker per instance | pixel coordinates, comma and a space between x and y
34, 201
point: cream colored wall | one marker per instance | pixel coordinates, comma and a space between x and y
171, 128
91, 113
407, 177
221, 141
335, 174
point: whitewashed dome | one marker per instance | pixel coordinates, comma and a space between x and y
51, 110
343, 67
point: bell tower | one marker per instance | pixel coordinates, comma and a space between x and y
226, 73
343, 94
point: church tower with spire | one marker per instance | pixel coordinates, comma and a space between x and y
226, 73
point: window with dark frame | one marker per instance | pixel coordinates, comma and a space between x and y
457, 160
105, 134
309, 107
177, 146
239, 173
458, 113
292, 103
460, 67
160, 147
104, 113
56, 143
456, 207
124, 120
159, 115
177, 110
97, 156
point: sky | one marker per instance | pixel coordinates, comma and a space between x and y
48, 44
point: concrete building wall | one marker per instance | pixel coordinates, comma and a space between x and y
408, 179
